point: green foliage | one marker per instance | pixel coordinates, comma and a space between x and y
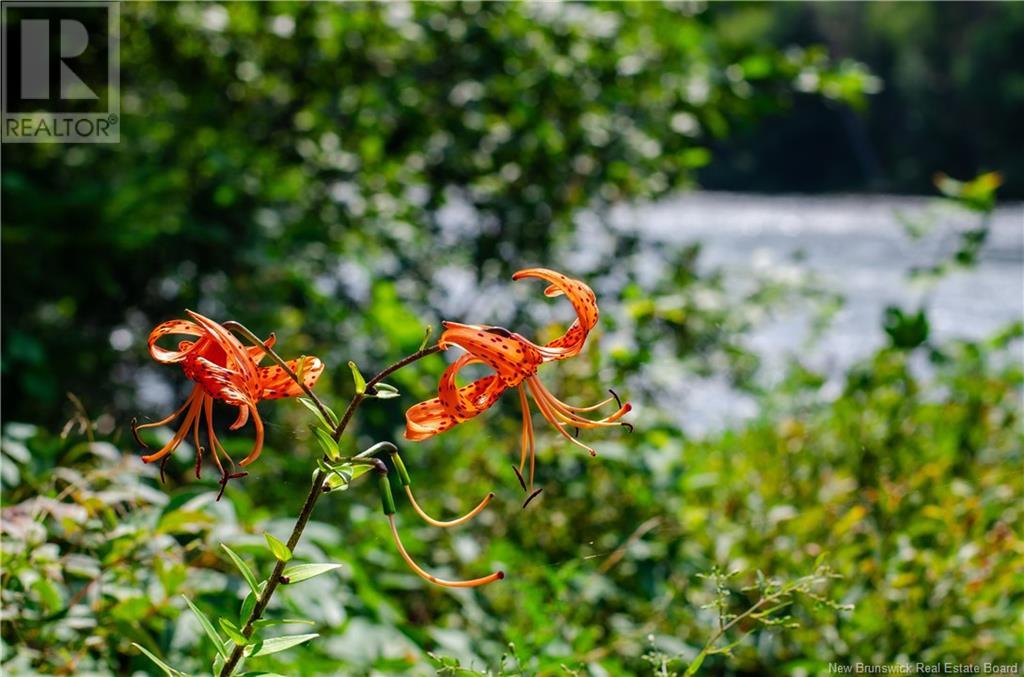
247, 573
906, 330
277, 548
263, 171
291, 165
976, 198
908, 485
932, 107
302, 572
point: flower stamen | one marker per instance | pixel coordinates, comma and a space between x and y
531, 497
448, 523
473, 583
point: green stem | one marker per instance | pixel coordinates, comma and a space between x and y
785, 590
253, 339
316, 490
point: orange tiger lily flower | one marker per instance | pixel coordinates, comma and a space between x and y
223, 369
515, 361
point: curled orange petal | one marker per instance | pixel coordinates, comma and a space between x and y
584, 302
426, 419
181, 327
276, 383
510, 355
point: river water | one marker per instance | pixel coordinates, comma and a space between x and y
856, 246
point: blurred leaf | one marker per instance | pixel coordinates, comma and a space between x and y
906, 331
184, 522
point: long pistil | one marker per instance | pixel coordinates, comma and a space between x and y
473, 583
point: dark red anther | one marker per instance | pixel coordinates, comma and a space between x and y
224, 481
500, 331
519, 476
616, 396
532, 496
135, 434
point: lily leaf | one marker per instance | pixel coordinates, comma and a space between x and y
302, 572
309, 404
327, 443
231, 631
204, 621
276, 644
279, 549
248, 604
168, 670
695, 665
386, 391
270, 622
247, 574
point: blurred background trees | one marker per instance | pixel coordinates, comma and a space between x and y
346, 175
266, 145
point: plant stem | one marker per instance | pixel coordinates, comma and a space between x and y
315, 491
253, 339
359, 397
788, 589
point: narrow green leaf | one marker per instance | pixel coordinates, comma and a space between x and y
327, 443
279, 549
309, 404
247, 574
386, 391
260, 674
276, 644
231, 631
695, 665
207, 626
302, 572
270, 622
357, 376
727, 649
168, 670
218, 664
248, 604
